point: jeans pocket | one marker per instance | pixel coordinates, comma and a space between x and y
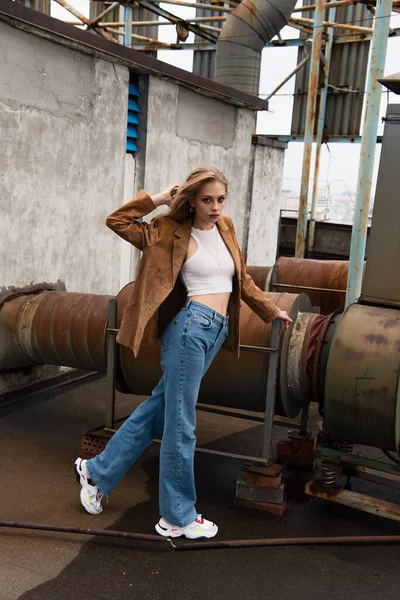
167, 336
201, 321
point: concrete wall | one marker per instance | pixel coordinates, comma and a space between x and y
186, 130
62, 127
265, 204
64, 166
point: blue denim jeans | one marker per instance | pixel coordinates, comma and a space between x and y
188, 347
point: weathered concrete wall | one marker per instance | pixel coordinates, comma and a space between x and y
64, 166
62, 127
265, 205
186, 130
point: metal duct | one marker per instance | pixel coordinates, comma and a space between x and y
246, 31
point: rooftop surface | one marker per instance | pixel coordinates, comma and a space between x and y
40, 440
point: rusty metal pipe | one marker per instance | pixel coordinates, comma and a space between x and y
261, 277
245, 383
229, 544
324, 281
303, 541
362, 392
57, 328
70, 329
84, 531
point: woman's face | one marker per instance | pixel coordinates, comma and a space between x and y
208, 204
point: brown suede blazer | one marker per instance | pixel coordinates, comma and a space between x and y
158, 293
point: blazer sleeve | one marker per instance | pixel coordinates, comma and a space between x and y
251, 294
254, 297
124, 221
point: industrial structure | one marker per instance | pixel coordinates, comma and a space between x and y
347, 362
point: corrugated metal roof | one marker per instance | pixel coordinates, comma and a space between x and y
392, 82
348, 72
204, 60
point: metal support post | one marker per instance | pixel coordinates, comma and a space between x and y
367, 151
309, 127
128, 25
271, 389
320, 130
111, 363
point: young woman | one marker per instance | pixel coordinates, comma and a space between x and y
188, 289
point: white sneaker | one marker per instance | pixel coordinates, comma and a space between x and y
90, 493
199, 528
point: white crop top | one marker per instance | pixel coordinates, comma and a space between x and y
211, 269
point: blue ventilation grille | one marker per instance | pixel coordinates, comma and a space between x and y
133, 117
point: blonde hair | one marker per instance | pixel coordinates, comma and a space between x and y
180, 207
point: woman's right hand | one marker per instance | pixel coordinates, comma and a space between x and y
165, 197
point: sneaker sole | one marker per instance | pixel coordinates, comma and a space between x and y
88, 507
173, 534
170, 534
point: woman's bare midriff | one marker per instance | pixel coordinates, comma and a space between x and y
218, 302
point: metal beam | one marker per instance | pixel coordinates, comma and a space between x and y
367, 151
163, 45
198, 5
309, 128
174, 19
320, 130
128, 25
104, 14
82, 18
345, 26
295, 70
310, 7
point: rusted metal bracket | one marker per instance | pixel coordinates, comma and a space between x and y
96, 440
111, 362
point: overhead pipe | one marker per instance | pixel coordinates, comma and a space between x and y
251, 25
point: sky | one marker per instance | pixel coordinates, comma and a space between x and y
339, 161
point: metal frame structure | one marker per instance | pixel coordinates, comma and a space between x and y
272, 378
122, 31
325, 34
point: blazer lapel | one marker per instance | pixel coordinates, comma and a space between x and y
228, 237
181, 243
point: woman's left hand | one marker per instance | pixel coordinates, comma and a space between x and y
284, 317
165, 197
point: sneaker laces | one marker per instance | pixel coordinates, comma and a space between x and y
199, 519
